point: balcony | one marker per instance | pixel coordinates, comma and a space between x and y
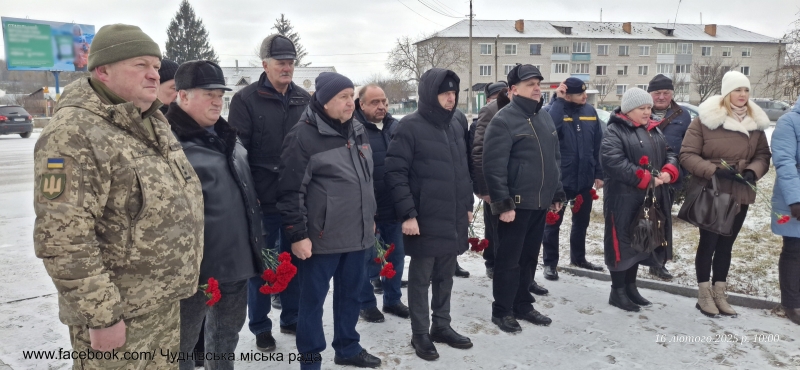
581, 57
560, 57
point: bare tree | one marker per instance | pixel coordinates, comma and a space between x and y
396, 90
603, 85
409, 60
707, 75
784, 80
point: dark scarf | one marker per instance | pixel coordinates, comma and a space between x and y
342, 128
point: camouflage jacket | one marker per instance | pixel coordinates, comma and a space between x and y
119, 217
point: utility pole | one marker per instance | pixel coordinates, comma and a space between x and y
469, 90
497, 71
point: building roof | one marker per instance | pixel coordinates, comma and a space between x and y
238, 77
600, 30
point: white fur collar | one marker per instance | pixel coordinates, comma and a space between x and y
713, 115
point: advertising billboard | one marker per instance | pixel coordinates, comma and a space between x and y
32, 45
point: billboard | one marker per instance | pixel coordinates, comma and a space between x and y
32, 45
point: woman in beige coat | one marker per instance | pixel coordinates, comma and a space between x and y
729, 127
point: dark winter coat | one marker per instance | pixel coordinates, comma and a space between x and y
326, 189
233, 237
426, 170
579, 136
263, 118
485, 116
623, 192
674, 126
379, 141
521, 158
713, 135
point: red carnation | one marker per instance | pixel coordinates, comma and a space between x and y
480, 246
269, 276
640, 173
388, 251
552, 218
377, 260
783, 219
388, 271
594, 195
284, 257
578, 203
278, 278
644, 161
212, 291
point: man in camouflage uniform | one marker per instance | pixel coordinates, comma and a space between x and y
119, 209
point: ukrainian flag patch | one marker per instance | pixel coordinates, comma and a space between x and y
55, 163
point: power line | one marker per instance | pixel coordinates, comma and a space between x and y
435, 10
415, 12
443, 6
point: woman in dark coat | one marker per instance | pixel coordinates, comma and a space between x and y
632, 135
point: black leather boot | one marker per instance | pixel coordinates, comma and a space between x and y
507, 324
362, 359
461, 272
635, 297
424, 347
793, 314
449, 336
619, 299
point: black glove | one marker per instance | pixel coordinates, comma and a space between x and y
749, 176
795, 210
724, 173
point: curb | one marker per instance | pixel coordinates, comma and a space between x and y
682, 290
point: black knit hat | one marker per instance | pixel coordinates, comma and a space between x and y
167, 70
491, 89
523, 72
660, 82
200, 74
448, 84
329, 84
575, 85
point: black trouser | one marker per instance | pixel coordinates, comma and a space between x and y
714, 251
438, 273
621, 278
515, 256
490, 234
789, 272
577, 236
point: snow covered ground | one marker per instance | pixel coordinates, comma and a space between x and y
586, 331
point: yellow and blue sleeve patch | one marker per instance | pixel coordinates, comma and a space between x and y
55, 163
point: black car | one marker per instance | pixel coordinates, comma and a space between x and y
15, 120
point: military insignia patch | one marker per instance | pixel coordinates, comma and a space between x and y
55, 163
53, 185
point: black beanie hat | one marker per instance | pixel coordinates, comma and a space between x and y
660, 82
448, 84
167, 70
329, 84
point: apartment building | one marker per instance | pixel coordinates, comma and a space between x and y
612, 57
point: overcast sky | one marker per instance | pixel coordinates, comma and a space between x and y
355, 35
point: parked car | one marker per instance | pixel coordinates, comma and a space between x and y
15, 120
774, 108
691, 108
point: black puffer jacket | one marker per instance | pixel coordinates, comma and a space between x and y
233, 240
521, 158
379, 141
263, 119
325, 190
623, 146
485, 116
426, 170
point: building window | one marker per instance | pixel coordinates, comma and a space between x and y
747, 52
683, 68
560, 67
644, 50
536, 49
745, 70
507, 68
486, 49
580, 68
684, 48
664, 68
643, 70
622, 70
580, 47
560, 49
621, 89
727, 51
643, 87
706, 51
602, 49
601, 89
666, 48
682, 89
704, 70
511, 49
485, 70
623, 50
601, 70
